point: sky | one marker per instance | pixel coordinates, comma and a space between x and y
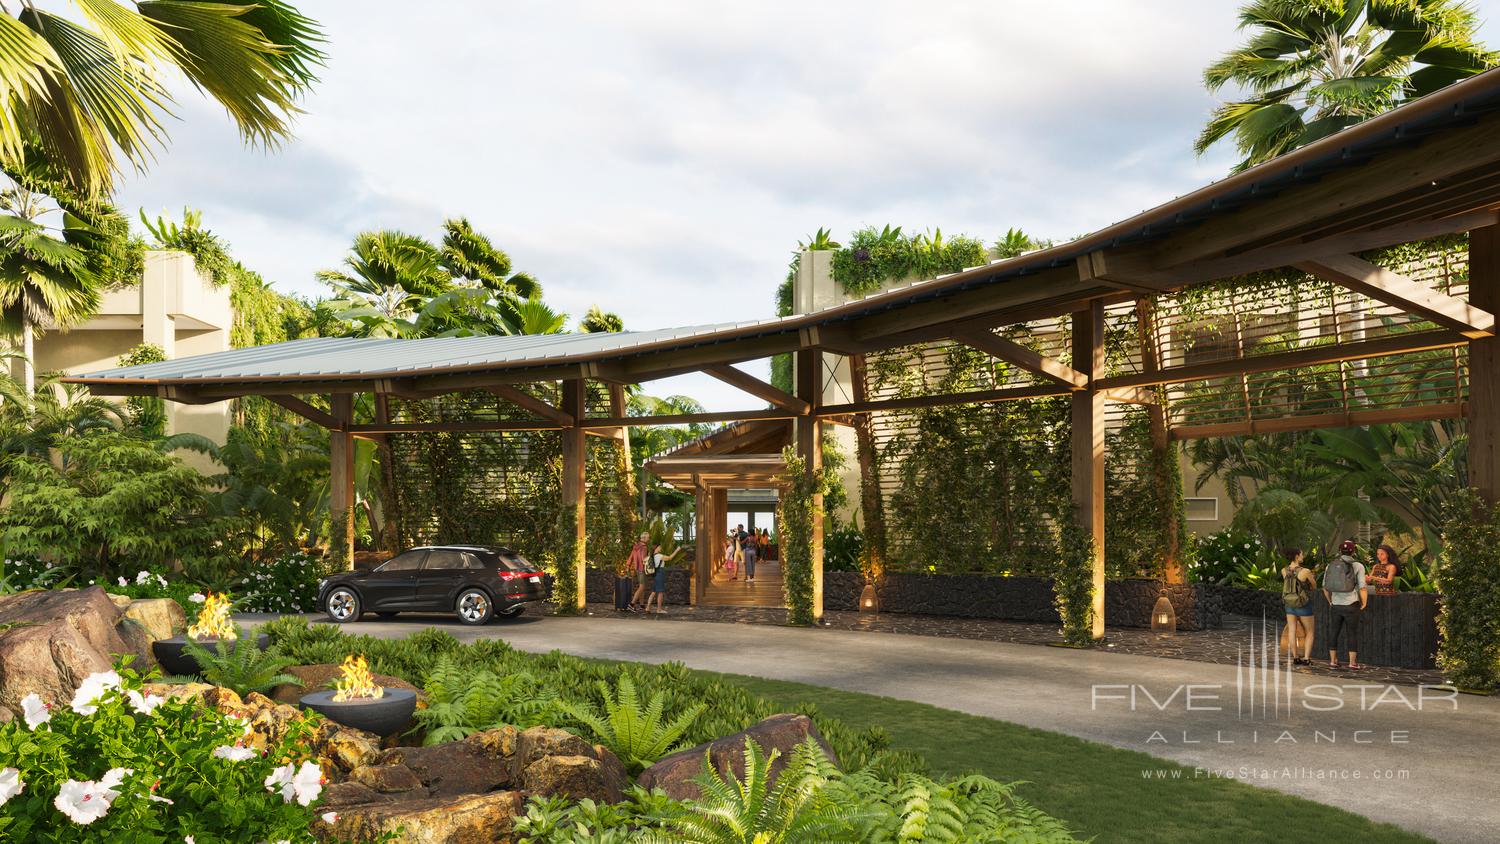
663, 159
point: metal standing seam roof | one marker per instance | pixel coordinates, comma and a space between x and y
1457, 105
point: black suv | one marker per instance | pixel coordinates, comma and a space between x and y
475, 582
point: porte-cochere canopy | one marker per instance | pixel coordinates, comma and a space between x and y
1428, 170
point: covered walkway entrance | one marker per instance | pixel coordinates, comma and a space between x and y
725, 471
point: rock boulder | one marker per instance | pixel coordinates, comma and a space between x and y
51, 640
674, 773
467, 819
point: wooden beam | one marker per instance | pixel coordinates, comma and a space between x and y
684, 418
1398, 291
1088, 412
305, 410
1132, 395
1431, 164
987, 301
1392, 344
470, 427
527, 401
574, 490
653, 365
1139, 268
809, 377
996, 346
756, 387
1484, 367
1352, 419
918, 402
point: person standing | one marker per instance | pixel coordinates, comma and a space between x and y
1297, 587
751, 551
1344, 587
656, 566
1387, 567
635, 566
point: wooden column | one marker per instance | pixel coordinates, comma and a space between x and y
341, 479
390, 521
703, 563
575, 458
810, 448
870, 505
1088, 443
1484, 366
1161, 442
718, 519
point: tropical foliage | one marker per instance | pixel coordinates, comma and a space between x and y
1073, 582
1313, 67
796, 508
240, 664
120, 764
638, 734
89, 93
871, 258
1469, 617
461, 701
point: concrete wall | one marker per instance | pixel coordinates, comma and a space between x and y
173, 307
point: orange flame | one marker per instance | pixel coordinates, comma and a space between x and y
213, 620
357, 683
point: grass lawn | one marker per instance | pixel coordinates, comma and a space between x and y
1098, 790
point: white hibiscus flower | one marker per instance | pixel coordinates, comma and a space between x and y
330, 817
34, 711
308, 783
197, 598
82, 801
234, 753
94, 686
124, 582
10, 784
144, 704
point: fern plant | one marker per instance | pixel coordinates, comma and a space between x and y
239, 664
638, 735
461, 702
740, 811
919, 810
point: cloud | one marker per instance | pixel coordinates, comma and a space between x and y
662, 159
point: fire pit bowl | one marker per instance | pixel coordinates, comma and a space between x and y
173, 660
382, 716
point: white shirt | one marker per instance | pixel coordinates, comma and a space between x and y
1345, 598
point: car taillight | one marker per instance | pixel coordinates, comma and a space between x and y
515, 575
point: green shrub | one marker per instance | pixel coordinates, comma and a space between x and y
241, 665
154, 770
29, 573
462, 701
286, 584
1073, 583
109, 503
729, 708
794, 517
1469, 577
153, 582
638, 735
871, 258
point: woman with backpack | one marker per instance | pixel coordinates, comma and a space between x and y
1297, 586
1344, 587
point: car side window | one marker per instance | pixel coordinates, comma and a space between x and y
473, 562
445, 561
409, 561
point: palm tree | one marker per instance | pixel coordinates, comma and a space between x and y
1313, 67
43, 278
532, 316
389, 276
598, 321
89, 92
472, 257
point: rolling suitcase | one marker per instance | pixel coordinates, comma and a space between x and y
624, 588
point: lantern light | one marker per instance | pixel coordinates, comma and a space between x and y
1163, 617
868, 600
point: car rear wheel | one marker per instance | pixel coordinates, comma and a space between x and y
343, 605
475, 607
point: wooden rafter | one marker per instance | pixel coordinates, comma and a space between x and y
527, 401
305, 410
1311, 422
1398, 291
756, 387
996, 346
1394, 344
918, 402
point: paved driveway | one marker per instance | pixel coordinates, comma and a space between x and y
1335, 741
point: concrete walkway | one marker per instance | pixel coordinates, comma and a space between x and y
1334, 741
